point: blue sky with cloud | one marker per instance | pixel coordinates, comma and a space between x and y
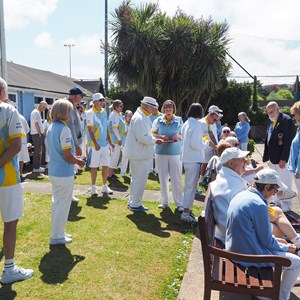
265, 34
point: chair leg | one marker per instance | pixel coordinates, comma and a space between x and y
207, 293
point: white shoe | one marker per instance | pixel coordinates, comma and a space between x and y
18, 274
106, 190
163, 205
60, 241
68, 235
190, 218
39, 170
94, 191
180, 209
74, 199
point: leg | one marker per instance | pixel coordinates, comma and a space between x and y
114, 159
94, 172
163, 174
37, 148
203, 169
175, 166
9, 239
124, 165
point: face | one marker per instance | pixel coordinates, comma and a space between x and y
225, 133
272, 111
238, 165
213, 118
270, 190
119, 108
76, 99
128, 118
241, 118
169, 110
99, 104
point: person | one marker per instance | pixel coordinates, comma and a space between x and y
249, 230
124, 161
242, 129
46, 125
192, 155
98, 152
23, 154
210, 135
37, 135
82, 115
225, 133
61, 169
167, 155
139, 149
293, 164
11, 198
280, 133
116, 130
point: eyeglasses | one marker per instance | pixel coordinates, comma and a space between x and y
226, 131
102, 100
236, 145
275, 188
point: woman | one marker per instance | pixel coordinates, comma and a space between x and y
167, 155
46, 125
293, 164
242, 129
61, 169
192, 157
225, 133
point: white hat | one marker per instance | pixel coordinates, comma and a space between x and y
149, 101
269, 176
231, 140
98, 96
231, 153
215, 109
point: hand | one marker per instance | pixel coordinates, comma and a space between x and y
282, 164
212, 145
292, 248
164, 137
78, 151
175, 137
97, 147
297, 176
80, 163
259, 168
159, 141
119, 143
282, 241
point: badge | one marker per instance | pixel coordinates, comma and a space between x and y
280, 135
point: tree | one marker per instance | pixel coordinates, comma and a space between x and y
177, 58
274, 96
285, 94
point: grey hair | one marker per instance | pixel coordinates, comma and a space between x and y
3, 84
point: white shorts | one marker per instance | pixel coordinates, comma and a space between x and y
11, 203
23, 154
98, 158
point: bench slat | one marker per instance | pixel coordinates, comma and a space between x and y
217, 269
266, 275
229, 272
241, 275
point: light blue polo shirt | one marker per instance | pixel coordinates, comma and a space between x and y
163, 127
59, 138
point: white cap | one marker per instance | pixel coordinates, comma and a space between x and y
232, 140
215, 109
98, 96
269, 176
149, 101
231, 153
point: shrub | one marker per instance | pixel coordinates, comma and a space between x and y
251, 146
258, 117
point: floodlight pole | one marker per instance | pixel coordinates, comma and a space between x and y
2, 44
106, 50
70, 56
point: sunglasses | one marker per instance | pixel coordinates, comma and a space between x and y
237, 144
226, 131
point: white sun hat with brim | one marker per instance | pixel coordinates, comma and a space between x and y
216, 110
231, 153
269, 176
149, 101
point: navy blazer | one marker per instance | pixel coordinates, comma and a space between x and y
278, 147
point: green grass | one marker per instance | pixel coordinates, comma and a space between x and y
115, 254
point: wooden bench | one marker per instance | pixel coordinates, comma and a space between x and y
221, 273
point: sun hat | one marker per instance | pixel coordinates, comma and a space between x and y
231, 153
269, 176
216, 110
98, 96
149, 101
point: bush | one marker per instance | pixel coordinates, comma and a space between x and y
286, 110
258, 117
251, 146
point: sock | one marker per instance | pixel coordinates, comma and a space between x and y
296, 241
9, 265
201, 178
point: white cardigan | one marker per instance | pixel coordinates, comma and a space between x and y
139, 142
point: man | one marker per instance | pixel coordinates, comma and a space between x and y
37, 135
249, 230
139, 149
98, 152
11, 199
280, 133
116, 130
210, 135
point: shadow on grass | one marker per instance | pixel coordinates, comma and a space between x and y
148, 223
7, 293
98, 202
56, 265
74, 212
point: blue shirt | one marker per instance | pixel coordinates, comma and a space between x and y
59, 138
169, 129
242, 130
293, 164
249, 229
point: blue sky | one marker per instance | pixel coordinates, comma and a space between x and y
265, 34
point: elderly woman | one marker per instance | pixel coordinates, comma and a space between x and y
192, 157
225, 133
61, 169
242, 129
167, 155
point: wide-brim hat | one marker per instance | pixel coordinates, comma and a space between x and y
149, 101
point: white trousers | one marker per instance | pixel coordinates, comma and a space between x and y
169, 167
289, 276
284, 174
124, 165
62, 192
243, 146
114, 156
191, 178
139, 176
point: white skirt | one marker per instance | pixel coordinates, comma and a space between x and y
23, 154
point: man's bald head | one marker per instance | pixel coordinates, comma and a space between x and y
272, 110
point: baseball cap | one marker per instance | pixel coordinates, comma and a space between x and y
98, 96
269, 176
231, 153
76, 91
215, 109
149, 101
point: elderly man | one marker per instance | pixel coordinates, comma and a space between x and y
249, 230
139, 149
280, 133
37, 135
11, 199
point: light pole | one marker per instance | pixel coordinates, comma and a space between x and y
2, 44
105, 50
70, 56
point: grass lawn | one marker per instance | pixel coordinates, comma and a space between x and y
115, 254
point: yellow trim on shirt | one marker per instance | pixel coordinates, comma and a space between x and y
66, 148
17, 135
272, 211
145, 112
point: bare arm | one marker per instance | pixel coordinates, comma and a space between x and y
68, 156
13, 150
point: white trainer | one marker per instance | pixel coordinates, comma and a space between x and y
163, 205
39, 170
18, 274
74, 199
94, 191
61, 241
106, 190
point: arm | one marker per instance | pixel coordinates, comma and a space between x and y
244, 132
12, 150
71, 125
68, 156
91, 133
196, 142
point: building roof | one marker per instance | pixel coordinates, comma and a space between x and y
34, 79
94, 86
